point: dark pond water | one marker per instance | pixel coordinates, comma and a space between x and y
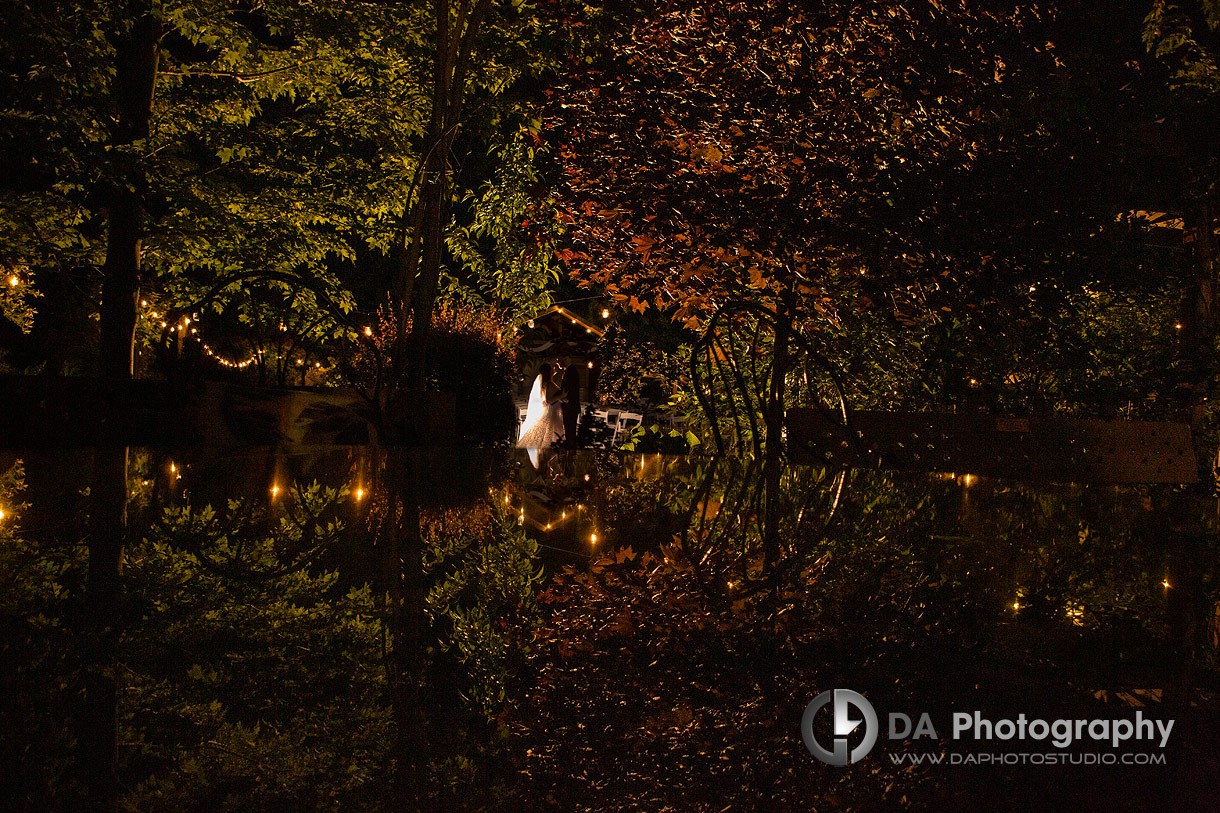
354, 628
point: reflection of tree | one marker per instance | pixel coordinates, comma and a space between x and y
255, 665
659, 685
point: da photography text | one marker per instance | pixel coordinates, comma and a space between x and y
849, 710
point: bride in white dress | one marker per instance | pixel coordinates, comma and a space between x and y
543, 423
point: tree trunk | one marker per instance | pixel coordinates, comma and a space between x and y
419, 260
136, 56
103, 591
408, 626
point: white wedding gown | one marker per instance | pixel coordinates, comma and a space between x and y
543, 423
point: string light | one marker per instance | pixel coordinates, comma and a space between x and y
14, 281
368, 331
593, 539
605, 313
237, 365
275, 491
359, 494
1166, 584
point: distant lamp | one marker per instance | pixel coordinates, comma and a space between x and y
605, 313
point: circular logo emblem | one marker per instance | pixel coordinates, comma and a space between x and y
840, 701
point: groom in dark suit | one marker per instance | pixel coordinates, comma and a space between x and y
570, 384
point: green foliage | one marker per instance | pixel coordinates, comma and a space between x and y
639, 366
484, 595
1178, 35
508, 248
39, 652
250, 679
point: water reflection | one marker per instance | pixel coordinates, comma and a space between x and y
355, 627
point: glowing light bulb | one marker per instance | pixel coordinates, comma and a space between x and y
586, 478
275, 491
1, 514
605, 313
593, 538
14, 281
590, 365
1166, 584
1016, 605
368, 331
360, 494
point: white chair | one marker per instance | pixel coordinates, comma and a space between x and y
627, 422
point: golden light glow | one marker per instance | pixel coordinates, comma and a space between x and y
590, 365
605, 313
360, 494
368, 331
275, 491
1166, 584
586, 478
1, 514
1016, 605
593, 538
14, 281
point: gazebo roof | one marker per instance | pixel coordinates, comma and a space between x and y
558, 311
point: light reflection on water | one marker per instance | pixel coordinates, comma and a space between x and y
1104, 587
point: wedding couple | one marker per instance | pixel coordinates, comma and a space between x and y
554, 408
